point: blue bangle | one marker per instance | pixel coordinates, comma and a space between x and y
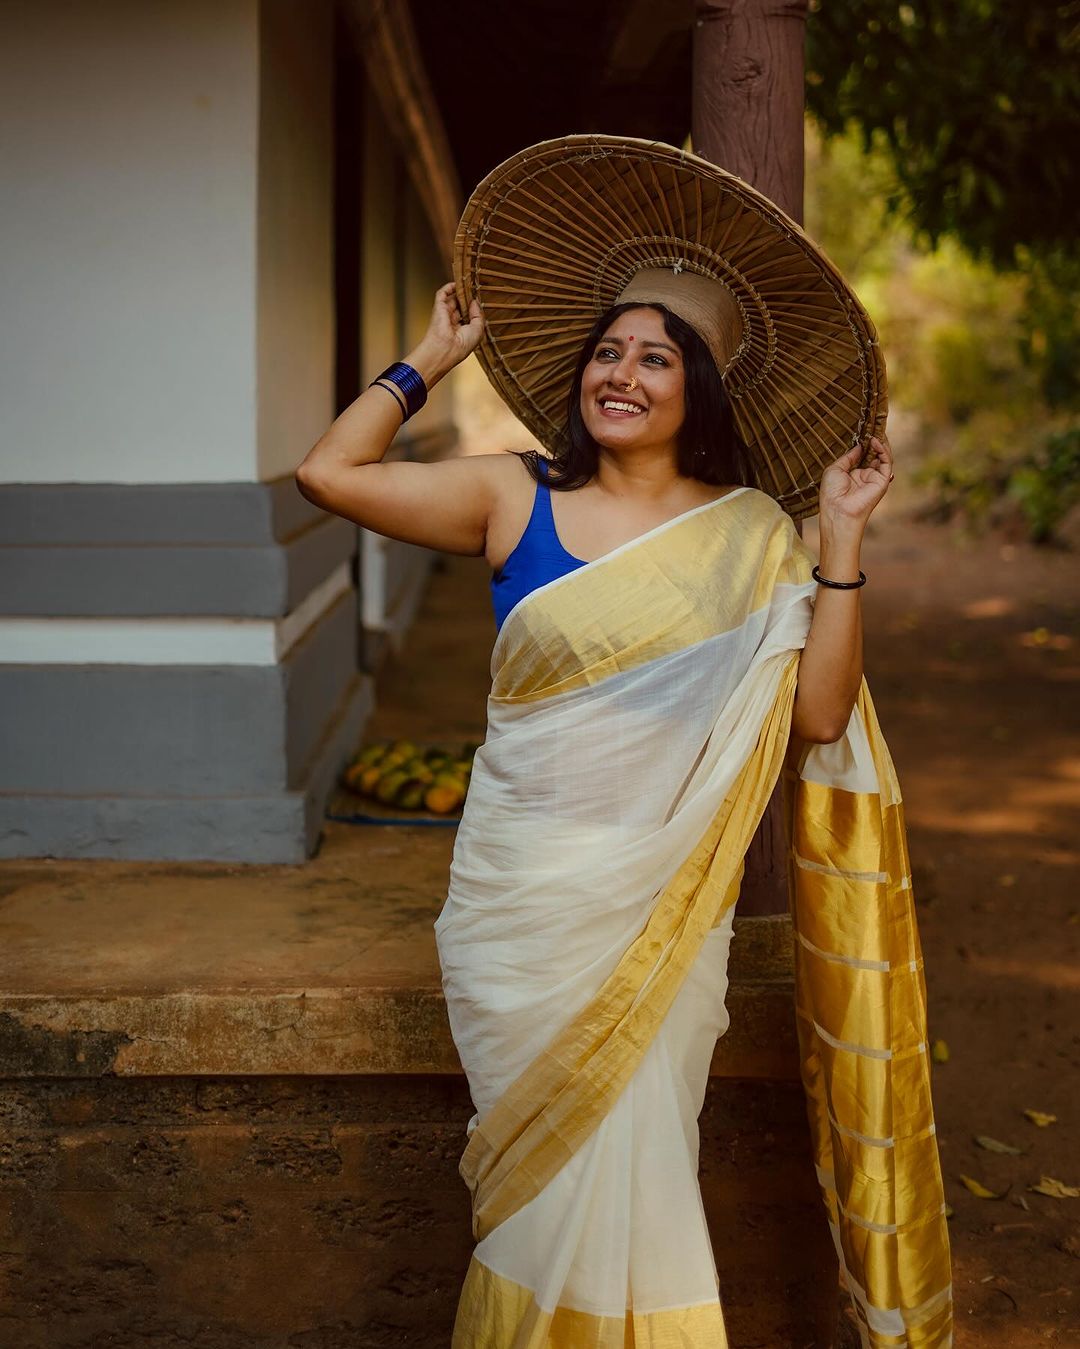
410, 382
396, 394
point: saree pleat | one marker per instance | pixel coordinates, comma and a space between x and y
638, 721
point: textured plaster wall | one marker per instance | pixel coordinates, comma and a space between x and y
328, 1213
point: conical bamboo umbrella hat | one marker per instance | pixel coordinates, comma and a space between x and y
563, 230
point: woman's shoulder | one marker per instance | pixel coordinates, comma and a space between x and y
761, 504
759, 513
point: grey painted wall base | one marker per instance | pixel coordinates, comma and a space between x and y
243, 550
416, 566
276, 828
185, 762
408, 571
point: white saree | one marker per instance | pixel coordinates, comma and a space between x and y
638, 721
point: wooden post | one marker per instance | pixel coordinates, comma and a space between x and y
747, 117
748, 78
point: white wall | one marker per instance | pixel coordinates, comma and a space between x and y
295, 240
128, 240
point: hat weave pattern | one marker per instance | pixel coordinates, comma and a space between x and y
549, 240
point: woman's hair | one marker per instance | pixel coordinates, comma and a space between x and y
709, 446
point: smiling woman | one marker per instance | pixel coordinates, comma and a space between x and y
666, 653
676, 389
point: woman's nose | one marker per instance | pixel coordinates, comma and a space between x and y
623, 373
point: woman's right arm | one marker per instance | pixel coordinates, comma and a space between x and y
444, 505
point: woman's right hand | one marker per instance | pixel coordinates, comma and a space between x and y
449, 338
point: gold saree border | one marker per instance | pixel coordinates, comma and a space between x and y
861, 1014
579, 631
556, 1104
496, 1313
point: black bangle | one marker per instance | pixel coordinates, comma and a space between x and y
410, 382
392, 391
838, 585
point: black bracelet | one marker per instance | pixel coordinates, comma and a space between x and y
391, 389
838, 585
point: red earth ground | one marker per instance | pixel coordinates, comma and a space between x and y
973, 660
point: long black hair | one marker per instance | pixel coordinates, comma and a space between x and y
709, 447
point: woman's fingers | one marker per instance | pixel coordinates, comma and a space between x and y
448, 302
849, 458
882, 461
878, 451
883, 450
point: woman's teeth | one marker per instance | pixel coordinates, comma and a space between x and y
609, 405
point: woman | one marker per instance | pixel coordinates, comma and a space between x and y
666, 651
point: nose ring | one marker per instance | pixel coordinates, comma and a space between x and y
632, 384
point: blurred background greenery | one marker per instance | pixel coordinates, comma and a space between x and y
941, 152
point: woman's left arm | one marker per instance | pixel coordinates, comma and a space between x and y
830, 668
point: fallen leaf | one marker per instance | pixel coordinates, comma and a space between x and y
939, 1051
980, 1191
1040, 1118
993, 1145
1043, 637
1056, 1189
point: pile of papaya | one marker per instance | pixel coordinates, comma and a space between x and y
403, 774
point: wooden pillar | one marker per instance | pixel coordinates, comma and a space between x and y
748, 93
748, 118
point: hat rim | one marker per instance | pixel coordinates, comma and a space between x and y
472, 247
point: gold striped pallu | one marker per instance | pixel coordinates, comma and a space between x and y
638, 720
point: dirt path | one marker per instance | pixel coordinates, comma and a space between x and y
973, 659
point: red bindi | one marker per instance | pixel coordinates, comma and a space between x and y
630, 339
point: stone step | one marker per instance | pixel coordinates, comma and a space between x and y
231, 1112
158, 969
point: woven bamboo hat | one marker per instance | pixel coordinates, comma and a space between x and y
565, 229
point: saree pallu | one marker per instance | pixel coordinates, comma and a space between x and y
638, 721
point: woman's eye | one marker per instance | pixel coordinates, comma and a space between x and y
607, 351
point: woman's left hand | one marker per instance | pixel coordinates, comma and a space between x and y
848, 493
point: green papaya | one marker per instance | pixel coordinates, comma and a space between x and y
389, 785
411, 794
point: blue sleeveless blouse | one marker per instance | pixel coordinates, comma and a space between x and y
538, 556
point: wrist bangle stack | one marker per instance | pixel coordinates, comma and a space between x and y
838, 585
408, 382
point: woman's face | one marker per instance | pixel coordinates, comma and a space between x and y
632, 386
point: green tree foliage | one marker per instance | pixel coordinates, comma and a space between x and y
978, 102
950, 133
968, 348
